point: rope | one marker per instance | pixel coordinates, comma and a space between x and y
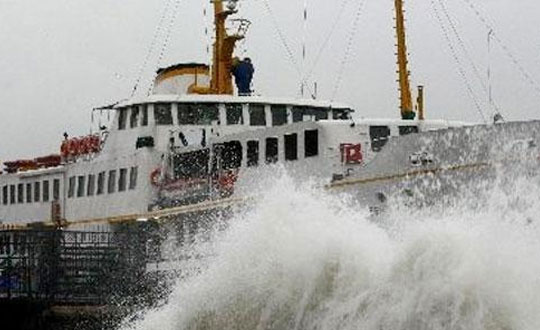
490, 90
284, 42
327, 39
166, 40
458, 62
525, 75
304, 40
468, 56
206, 32
348, 50
151, 48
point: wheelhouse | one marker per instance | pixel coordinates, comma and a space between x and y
225, 111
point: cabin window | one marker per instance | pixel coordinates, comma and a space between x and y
291, 146
122, 180
231, 155
379, 137
252, 153
5, 195
46, 191
406, 130
29, 193
308, 114
144, 115
81, 186
341, 114
111, 185
71, 187
191, 165
12, 199
133, 178
311, 143
91, 185
122, 118
234, 114
20, 193
163, 114
101, 183
279, 115
271, 150
37, 190
134, 119
56, 189
198, 114
257, 115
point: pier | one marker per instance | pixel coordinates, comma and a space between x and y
55, 279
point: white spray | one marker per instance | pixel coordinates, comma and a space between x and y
302, 259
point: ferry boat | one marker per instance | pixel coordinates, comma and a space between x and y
192, 143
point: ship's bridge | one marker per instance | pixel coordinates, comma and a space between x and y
224, 110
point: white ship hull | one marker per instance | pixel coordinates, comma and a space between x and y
439, 166
440, 160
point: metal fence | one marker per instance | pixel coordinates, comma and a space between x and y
72, 267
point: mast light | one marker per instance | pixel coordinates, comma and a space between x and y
232, 4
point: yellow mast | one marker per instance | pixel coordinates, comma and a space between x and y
221, 82
222, 58
406, 105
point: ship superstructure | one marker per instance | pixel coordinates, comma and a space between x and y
190, 143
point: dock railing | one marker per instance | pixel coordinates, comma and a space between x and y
68, 267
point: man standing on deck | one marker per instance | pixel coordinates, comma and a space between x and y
243, 75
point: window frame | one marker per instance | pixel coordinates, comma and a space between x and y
167, 114
232, 110
12, 195
408, 129
144, 115
111, 182
20, 193
5, 194
200, 114
45, 191
274, 108
81, 186
378, 141
71, 186
37, 192
274, 157
309, 151
91, 185
134, 117
291, 146
101, 183
122, 118
56, 189
133, 176
252, 109
253, 154
122, 179
29, 195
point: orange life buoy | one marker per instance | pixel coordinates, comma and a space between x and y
227, 181
154, 177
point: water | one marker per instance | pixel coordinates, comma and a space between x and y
304, 259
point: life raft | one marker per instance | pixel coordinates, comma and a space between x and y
80, 146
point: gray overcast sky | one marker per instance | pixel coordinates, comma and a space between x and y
60, 58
